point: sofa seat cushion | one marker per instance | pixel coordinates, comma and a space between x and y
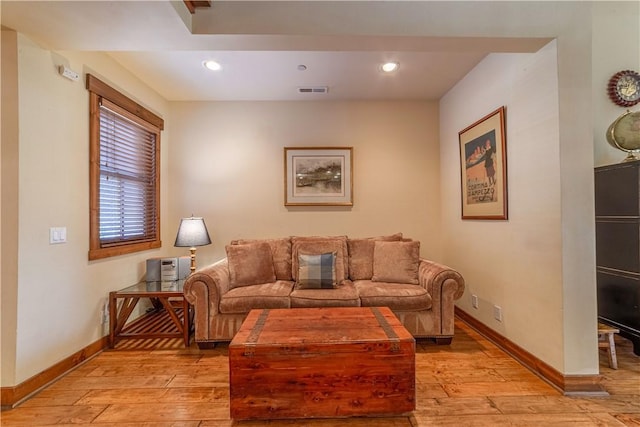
396, 296
266, 295
344, 295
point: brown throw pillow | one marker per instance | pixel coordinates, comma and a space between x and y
361, 255
281, 252
396, 262
250, 264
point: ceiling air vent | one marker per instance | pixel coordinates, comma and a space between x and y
314, 89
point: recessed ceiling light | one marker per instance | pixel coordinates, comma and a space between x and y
212, 65
390, 67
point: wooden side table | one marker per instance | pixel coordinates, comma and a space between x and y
167, 297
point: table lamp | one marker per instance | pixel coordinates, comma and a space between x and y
192, 232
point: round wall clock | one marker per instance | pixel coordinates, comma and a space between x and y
624, 88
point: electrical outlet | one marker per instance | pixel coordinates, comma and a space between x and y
497, 313
474, 301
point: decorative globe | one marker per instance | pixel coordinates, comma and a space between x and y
624, 134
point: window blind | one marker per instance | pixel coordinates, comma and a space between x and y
127, 177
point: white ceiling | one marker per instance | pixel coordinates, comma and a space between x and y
261, 43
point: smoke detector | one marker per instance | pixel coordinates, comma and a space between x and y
313, 89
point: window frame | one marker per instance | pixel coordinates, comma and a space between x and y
99, 90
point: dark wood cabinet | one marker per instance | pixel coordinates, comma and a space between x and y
617, 202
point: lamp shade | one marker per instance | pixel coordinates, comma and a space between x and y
192, 232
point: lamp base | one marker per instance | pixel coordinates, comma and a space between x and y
193, 259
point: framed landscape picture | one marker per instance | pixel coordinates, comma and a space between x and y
483, 167
318, 176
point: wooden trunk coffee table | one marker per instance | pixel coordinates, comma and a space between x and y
321, 362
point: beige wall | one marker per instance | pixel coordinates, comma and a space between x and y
616, 47
60, 294
549, 285
224, 161
514, 264
227, 164
9, 208
234, 180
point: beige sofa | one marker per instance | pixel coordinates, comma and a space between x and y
283, 273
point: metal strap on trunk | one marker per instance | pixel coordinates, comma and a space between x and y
257, 329
386, 327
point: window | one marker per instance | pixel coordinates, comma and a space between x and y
124, 173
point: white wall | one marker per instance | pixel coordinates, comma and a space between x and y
59, 292
515, 264
227, 164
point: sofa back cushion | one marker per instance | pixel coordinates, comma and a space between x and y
361, 255
280, 251
250, 264
320, 245
396, 262
317, 271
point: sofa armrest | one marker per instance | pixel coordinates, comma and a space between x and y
203, 290
437, 278
445, 285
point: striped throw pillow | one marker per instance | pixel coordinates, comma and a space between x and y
317, 271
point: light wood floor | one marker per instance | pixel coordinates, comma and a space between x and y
470, 383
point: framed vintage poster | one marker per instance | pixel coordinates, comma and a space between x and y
483, 166
318, 176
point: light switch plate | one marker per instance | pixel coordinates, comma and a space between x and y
57, 235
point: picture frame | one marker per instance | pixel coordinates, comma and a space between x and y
318, 176
483, 168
